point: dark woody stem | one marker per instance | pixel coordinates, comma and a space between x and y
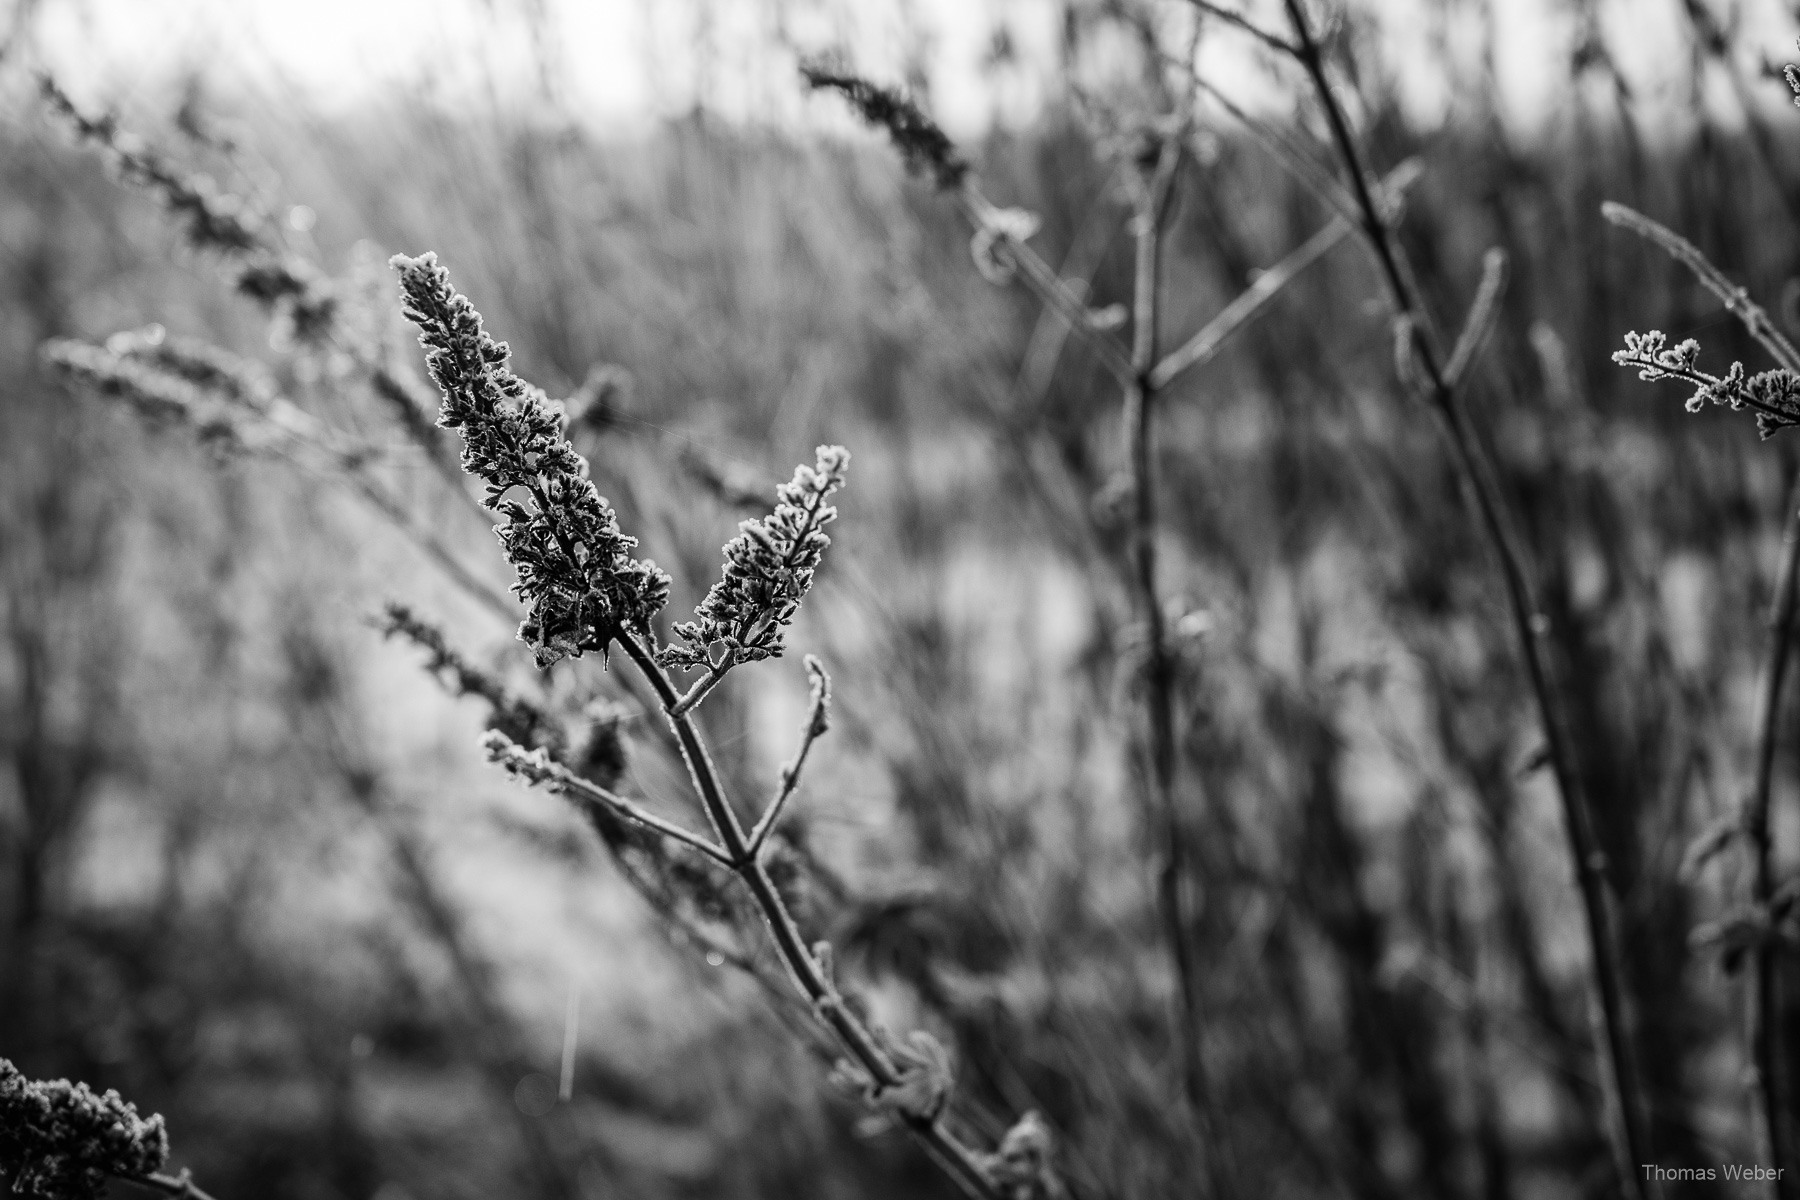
956, 1158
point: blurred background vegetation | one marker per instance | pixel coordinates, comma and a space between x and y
254, 874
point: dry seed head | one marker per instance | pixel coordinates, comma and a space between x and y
769, 568
575, 571
62, 1140
925, 148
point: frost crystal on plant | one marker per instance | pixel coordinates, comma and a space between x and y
997, 228
1774, 395
1021, 1167
576, 574
769, 567
62, 1140
925, 1078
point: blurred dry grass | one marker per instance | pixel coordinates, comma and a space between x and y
203, 910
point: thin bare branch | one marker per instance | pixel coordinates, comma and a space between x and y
1051, 332
181, 1186
1299, 163
539, 768
1039, 276
818, 720
1765, 1082
1270, 39
705, 684
963, 1164
1483, 312
1735, 299
1628, 1136
1249, 303
1141, 394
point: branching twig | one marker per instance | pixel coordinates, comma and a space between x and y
1735, 299
180, 1186
1484, 310
990, 220
1623, 1088
1315, 178
1772, 395
1207, 342
927, 150
537, 767
586, 593
963, 1164
1267, 37
1766, 1081
697, 692
818, 720
1155, 190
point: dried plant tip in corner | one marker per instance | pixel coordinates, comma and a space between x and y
575, 571
924, 147
62, 1140
769, 568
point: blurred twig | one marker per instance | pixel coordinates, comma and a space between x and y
1736, 300
180, 1186
1765, 1080
1620, 1071
962, 1163
1155, 190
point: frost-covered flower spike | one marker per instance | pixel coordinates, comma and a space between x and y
575, 571
769, 568
64, 1140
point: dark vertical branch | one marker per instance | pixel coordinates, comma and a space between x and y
1155, 188
1621, 1078
1766, 1081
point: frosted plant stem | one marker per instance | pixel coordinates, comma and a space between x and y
790, 773
1620, 1077
1735, 299
1765, 1081
957, 1159
179, 1186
